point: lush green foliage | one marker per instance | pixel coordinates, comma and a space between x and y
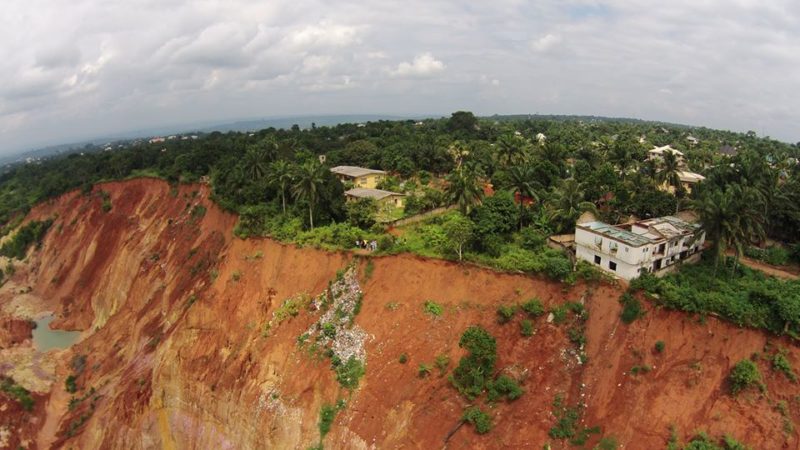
478, 418
631, 308
744, 374
475, 369
29, 234
503, 386
17, 392
433, 308
349, 373
533, 307
326, 415
361, 213
782, 364
747, 297
526, 328
505, 313
775, 255
69, 384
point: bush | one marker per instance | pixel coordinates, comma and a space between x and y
17, 392
70, 385
532, 238
475, 369
505, 313
326, 415
478, 418
361, 213
631, 308
403, 358
423, 370
746, 298
781, 364
533, 307
504, 386
349, 373
385, 242
29, 234
557, 267
526, 328
660, 347
744, 375
433, 308
442, 363
337, 235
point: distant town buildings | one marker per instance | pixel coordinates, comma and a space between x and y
628, 250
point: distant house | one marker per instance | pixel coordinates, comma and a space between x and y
728, 150
381, 197
628, 250
359, 176
688, 178
657, 153
692, 140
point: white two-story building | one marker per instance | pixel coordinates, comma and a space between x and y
628, 250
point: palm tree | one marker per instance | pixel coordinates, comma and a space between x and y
463, 188
669, 173
522, 182
254, 163
568, 203
511, 148
732, 217
280, 176
309, 180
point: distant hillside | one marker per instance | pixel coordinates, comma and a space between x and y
199, 128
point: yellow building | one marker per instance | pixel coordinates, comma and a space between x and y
384, 199
359, 176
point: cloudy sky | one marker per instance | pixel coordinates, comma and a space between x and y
72, 70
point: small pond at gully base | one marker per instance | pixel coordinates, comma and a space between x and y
45, 339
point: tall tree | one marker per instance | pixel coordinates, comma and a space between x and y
280, 176
523, 183
511, 148
567, 204
669, 172
731, 218
255, 163
464, 188
310, 178
458, 230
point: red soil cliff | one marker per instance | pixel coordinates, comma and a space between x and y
173, 309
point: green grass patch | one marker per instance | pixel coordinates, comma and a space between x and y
433, 308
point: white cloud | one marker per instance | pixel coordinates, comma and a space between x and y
545, 43
423, 65
89, 67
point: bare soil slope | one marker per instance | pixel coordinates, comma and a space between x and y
175, 353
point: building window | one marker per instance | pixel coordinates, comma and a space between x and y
612, 265
597, 259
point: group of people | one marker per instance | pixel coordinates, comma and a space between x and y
371, 245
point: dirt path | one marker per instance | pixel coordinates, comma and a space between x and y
766, 268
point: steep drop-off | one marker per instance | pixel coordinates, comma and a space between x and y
175, 353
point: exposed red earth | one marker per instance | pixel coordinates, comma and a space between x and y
173, 307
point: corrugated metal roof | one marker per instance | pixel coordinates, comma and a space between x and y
666, 227
355, 171
621, 234
377, 194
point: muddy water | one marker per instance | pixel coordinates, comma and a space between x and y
45, 338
